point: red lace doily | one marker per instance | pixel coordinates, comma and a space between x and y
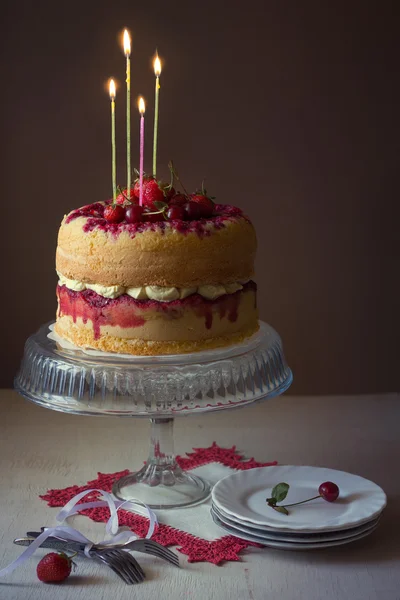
197, 549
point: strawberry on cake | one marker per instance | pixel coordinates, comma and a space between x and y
171, 276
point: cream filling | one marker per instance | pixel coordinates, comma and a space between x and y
152, 292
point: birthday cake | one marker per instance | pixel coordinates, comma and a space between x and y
170, 276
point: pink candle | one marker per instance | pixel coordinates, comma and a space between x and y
141, 110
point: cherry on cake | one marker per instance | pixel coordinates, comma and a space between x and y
172, 276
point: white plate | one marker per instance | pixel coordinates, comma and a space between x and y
298, 538
290, 545
281, 533
243, 495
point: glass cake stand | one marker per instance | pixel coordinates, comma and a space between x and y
62, 377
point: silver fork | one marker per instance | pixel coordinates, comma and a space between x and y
142, 545
111, 563
121, 562
151, 547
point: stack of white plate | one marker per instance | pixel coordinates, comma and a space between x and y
239, 506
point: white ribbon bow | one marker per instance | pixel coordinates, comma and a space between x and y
73, 535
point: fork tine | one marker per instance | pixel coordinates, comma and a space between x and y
157, 552
127, 569
172, 559
135, 565
126, 566
129, 564
107, 560
154, 548
153, 544
159, 555
166, 552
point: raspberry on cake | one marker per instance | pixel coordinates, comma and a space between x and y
168, 283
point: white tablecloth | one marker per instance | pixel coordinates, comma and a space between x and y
40, 449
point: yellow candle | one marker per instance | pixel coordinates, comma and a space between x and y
142, 108
157, 72
127, 51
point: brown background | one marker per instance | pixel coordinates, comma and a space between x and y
290, 109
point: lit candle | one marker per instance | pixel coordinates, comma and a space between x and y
157, 72
127, 51
113, 147
141, 110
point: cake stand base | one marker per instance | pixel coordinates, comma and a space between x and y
185, 490
161, 483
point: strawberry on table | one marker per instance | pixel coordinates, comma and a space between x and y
54, 567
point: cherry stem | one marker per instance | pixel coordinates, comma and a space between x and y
171, 182
157, 212
302, 502
175, 174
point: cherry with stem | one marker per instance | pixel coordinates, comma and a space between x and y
328, 490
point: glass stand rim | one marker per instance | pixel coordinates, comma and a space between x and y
220, 379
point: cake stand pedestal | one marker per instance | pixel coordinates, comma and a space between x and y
65, 378
161, 483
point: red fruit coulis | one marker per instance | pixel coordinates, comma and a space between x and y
125, 311
223, 214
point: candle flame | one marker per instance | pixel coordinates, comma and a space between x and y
157, 66
141, 105
127, 43
112, 89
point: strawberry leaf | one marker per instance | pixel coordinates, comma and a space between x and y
280, 491
271, 501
